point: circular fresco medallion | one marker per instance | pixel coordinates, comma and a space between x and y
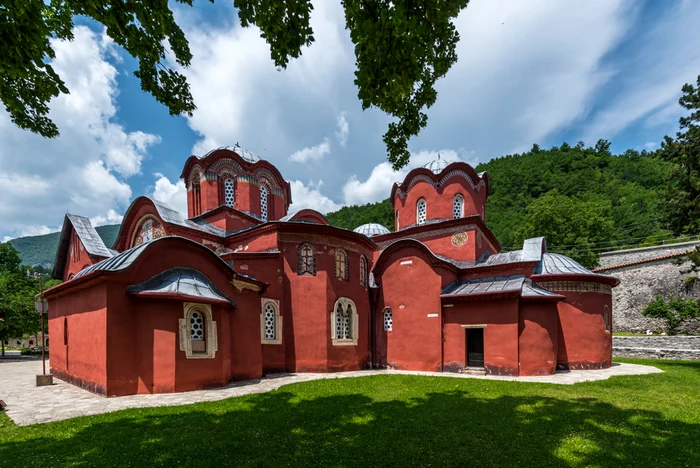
459, 239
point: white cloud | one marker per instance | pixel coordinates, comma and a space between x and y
310, 196
343, 129
112, 217
172, 194
378, 185
83, 170
313, 153
650, 145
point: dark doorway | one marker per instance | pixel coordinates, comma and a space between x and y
475, 347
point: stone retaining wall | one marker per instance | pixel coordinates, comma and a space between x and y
658, 347
642, 282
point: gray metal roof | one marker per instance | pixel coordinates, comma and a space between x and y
91, 240
371, 229
186, 282
496, 284
491, 284
558, 264
437, 165
118, 262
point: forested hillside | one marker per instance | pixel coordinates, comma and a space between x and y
584, 200
41, 250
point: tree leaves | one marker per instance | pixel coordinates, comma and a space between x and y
402, 48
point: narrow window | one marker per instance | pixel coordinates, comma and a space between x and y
342, 270
197, 332
421, 211
458, 206
363, 270
263, 202
65, 331
388, 320
398, 220
339, 321
347, 323
229, 192
306, 260
197, 199
606, 317
270, 325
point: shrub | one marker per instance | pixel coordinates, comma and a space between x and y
675, 311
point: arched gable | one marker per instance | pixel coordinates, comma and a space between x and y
408, 247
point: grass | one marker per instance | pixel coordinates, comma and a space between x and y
651, 420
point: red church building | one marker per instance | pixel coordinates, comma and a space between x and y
240, 288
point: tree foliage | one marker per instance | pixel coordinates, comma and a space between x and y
674, 311
402, 47
28, 81
624, 190
350, 217
17, 292
573, 225
682, 205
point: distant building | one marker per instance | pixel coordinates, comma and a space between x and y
241, 288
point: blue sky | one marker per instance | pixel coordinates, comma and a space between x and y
528, 72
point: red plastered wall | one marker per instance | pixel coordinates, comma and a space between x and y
412, 291
539, 335
83, 360
583, 341
500, 334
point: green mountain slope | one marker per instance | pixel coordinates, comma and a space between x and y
41, 250
630, 184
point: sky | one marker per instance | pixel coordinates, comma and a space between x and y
531, 71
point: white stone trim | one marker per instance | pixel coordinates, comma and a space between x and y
354, 329
210, 338
278, 321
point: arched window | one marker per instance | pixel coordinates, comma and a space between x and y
306, 260
270, 321
458, 206
196, 198
606, 317
229, 192
198, 332
344, 322
388, 320
264, 192
421, 211
342, 265
363, 270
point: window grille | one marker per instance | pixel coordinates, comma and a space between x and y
458, 206
343, 322
197, 327
228, 192
363, 270
421, 211
342, 265
263, 202
306, 260
388, 320
270, 326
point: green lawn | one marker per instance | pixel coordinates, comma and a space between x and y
651, 420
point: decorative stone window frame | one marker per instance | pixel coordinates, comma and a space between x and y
342, 265
364, 279
458, 206
210, 334
344, 302
278, 321
306, 262
421, 219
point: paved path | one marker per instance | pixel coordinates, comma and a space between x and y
28, 404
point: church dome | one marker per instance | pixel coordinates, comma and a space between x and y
437, 165
372, 229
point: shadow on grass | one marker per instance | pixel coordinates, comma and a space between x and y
294, 429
